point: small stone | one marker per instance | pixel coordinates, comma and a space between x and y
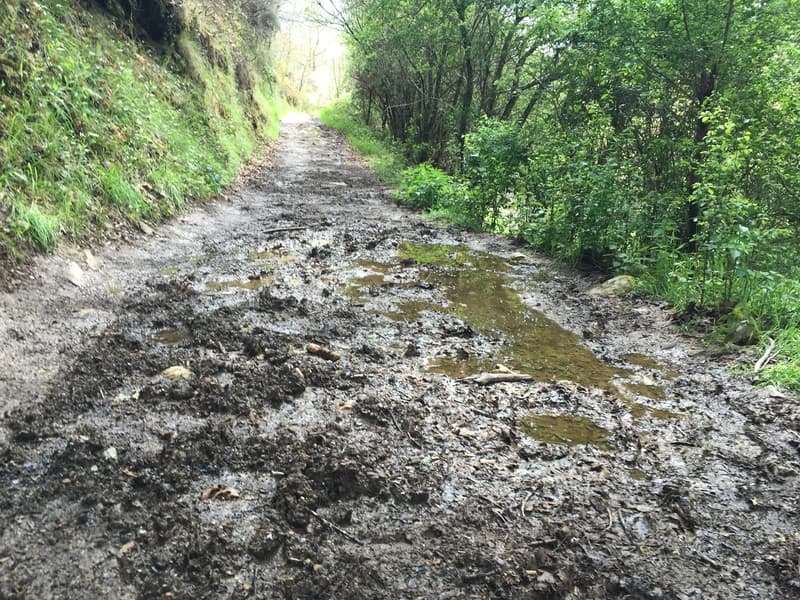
411, 351
145, 228
91, 261
75, 275
616, 286
110, 453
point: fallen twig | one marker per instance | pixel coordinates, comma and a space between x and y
524, 502
323, 352
708, 560
336, 528
625, 528
490, 378
766, 357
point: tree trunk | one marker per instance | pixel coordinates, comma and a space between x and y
705, 88
469, 77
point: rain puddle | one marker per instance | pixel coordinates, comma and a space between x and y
641, 360
478, 291
565, 430
637, 474
250, 284
172, 336
644, 361
360, 287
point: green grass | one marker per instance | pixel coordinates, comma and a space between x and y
785, 372
36, 225
383, 157
96, 127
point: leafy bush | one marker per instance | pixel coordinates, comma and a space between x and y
495, 157
423, 187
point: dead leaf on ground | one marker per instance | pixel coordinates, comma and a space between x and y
219, 492
127, 548
176, 373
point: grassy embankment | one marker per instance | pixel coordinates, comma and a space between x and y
384, 158
106, 119
770, 311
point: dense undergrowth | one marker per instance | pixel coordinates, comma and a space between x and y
763, 306
124, 111
653, 139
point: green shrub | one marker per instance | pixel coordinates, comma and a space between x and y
423, 187
495, 158
786, 371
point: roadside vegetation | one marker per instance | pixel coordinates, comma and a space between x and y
657, 140
384, 156
123, 111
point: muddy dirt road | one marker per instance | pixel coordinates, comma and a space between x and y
631, 466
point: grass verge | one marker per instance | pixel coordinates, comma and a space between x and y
383, 157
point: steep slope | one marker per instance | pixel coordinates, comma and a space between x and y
124, 110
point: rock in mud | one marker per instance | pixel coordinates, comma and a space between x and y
74, 275
91, 260
616, 286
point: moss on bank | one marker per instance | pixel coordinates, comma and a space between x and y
102, 120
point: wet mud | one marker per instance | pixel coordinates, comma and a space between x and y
632, 465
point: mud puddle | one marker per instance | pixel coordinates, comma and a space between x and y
172, 335
272, 472
478, 289
566, 430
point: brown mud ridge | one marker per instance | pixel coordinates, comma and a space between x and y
631, 465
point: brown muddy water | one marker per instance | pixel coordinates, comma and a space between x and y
479, 291
565, 430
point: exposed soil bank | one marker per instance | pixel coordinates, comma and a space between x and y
271, 472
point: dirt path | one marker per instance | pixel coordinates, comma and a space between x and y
631, 466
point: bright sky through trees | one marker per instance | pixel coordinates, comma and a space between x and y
310, 56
